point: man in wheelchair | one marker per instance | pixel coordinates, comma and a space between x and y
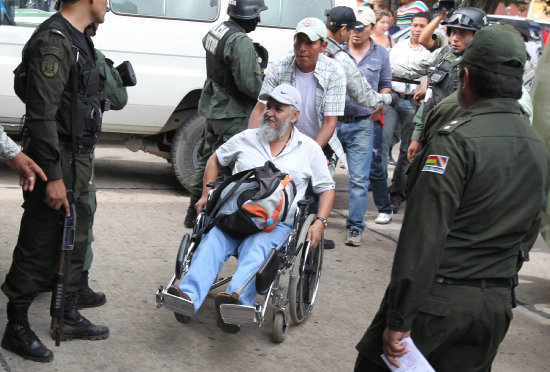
291, 152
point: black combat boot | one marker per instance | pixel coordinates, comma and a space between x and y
86, 297
76, 326
191, 216
20, 339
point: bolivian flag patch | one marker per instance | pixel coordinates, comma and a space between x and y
436, 164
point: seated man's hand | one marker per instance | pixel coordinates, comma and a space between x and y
315, 233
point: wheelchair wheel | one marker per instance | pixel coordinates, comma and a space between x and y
304, 277
279, 328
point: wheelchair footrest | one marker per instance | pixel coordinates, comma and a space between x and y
174, 303
238, 314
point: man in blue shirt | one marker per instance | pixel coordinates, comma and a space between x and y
356, 128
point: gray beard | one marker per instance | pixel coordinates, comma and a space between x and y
269, 134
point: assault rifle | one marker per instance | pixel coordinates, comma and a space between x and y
57, 306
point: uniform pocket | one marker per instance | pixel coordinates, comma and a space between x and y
431, 321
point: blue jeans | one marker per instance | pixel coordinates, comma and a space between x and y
357, 140
404, 111
215, 248
378, 177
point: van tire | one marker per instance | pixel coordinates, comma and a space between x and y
185, 148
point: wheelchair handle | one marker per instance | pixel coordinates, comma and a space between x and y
305, 202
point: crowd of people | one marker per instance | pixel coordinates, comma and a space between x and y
465, 148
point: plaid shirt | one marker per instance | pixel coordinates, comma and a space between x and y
8, 148
330, 97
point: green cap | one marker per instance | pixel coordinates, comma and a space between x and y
314, 28
497, 48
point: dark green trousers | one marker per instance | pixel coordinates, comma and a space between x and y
93, 207
216, 133
36, 254
457, 328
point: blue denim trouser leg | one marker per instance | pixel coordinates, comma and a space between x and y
391, 118
377, 177
407, 109
252, 252
215, 248
357, 140
404, 111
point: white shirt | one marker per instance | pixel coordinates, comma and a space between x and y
302, 159
403, 53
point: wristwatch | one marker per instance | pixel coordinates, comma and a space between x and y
323, 220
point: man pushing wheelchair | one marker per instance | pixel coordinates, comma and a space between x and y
291, 152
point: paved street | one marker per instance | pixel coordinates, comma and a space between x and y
139, 224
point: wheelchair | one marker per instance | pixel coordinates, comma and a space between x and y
288, 279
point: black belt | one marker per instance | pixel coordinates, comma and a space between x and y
352, 119
78, 149
405, 96
480, 283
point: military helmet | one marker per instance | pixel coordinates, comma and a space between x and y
468, 18
245, 9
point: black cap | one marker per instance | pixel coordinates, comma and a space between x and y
341, 16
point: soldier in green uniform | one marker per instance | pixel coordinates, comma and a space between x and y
234, 80
59, 82
442, 78
476, 194
113, 97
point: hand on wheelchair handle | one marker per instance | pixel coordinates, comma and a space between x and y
201, 203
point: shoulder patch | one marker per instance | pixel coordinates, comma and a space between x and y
436, 164
49, 66
452, 125
50, 50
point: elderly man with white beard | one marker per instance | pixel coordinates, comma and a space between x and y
292, 152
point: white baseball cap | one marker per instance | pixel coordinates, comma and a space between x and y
284, 93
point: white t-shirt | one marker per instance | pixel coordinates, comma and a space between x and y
308, 123
302, 159
404, 54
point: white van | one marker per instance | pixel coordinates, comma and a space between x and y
163, 40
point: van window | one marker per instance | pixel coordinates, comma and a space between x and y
287, 13
199, 10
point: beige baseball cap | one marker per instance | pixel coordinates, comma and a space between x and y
366, 16
314, 28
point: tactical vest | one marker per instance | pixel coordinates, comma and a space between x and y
443, 80
88, 96
217, 69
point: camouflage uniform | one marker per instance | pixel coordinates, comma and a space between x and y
8, 148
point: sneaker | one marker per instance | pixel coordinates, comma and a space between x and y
175, 291
220, 299
20, 339
391, 161
383, 218
354, 237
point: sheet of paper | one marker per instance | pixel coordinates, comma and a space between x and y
413, 361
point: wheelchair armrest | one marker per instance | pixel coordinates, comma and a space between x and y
305, 202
